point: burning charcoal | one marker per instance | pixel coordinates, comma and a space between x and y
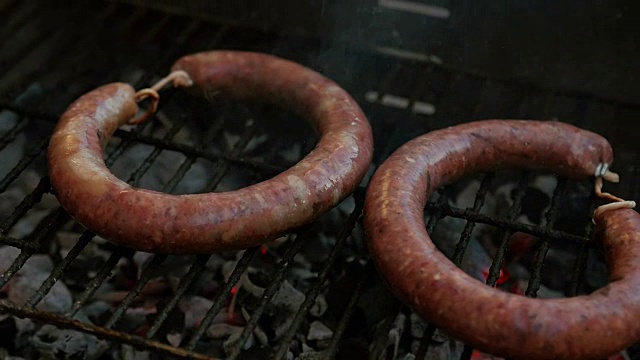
319, 306
318, 331
54, 343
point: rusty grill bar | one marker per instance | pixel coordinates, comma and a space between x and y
456, 93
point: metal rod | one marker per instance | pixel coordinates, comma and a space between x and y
465, 237
498, 259
24, 163
218, 303
477, 217
57, 271
314, 290
551, 216
185, 283
148, 271
94, 284
270, 291
331, 351
100, 332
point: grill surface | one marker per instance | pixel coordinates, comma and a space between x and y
52, 56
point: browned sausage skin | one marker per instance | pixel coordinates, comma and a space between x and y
203, 223
508, 325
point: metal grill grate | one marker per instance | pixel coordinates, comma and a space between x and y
52, 59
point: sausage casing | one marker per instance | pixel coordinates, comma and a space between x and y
507, 325
202, 223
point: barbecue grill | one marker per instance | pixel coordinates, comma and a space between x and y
313, 293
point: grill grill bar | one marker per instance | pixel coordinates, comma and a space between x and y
439, 84
27, 203
24, 163
186, 281
313, 292
581, 261
66, 322
148, 271
237, 272
94, 284
461, 246
58, 270
368, 269
514, 211
477, 217
270, 291
551, 217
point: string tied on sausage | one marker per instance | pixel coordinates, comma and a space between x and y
603, 173
179, 78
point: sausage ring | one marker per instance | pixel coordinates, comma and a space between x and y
203, 223
502, 324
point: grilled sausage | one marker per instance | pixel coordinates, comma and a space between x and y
507, 325
202, 223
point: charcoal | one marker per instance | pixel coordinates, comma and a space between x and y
51, 342
96, 309
174, 339
312, 355
417, 326
29, 278
376, 302
195, 308
9, 331
319, 331
319, 307
159, 174
128, 352
231, 332
261, 336
287, 297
